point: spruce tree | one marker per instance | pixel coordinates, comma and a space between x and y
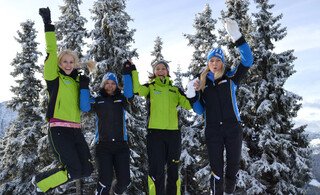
157, 50
112, 40
188, 155
279, 155
19, 157
203, 41
137, 128
70, 27
111, 37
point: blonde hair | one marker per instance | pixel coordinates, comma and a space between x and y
71, 53
203, 76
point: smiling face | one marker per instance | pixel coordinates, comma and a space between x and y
161, 71
67, 63
110, 87
215, 65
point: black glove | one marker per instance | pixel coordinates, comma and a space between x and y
45, 14
127, 67
84, 82
194, 99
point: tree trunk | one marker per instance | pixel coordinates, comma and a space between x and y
78, 187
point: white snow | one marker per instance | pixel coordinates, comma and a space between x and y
315, 142
315, 183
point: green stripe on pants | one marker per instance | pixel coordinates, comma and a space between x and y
178, 183
151, 186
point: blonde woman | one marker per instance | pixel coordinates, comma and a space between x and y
63, 114
217, 95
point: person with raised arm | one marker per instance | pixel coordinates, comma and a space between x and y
112, 149
216, 91
63, 114
164, 136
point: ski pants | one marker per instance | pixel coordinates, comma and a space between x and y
73, 153
113, 157
220, 137
163, 148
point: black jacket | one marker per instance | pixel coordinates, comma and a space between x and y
110, 112
219, 98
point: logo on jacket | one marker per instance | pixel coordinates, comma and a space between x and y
157, 92
67, 82
223, 81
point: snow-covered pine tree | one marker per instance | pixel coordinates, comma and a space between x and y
137, 128
203, 41
26, 93
238, 10
111, 46
157, 50
111, 37
280, 155
188, 135
19, 155
179, 77
70, 28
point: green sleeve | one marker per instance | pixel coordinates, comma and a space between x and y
137, 88
184, 102
51, 63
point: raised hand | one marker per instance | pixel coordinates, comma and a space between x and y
127, 67
232, 29
46, 15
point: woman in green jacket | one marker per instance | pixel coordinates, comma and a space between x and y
63, 114
164, 137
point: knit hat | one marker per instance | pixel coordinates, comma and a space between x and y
217, 52
108, 76
160, 62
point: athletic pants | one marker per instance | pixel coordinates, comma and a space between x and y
113, 156
164, 148
72, 151
218, 138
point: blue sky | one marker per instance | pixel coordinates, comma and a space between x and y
169, 20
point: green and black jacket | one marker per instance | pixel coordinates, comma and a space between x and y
164, 98
63, 89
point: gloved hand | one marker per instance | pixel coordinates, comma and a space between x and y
128, 67
232, 29
84, 82
45, 14
191, 92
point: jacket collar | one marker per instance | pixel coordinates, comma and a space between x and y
74, 73
164, 82
103, 93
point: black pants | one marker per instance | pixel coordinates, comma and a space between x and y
113, 156
218, 138
164, 149
72, 151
